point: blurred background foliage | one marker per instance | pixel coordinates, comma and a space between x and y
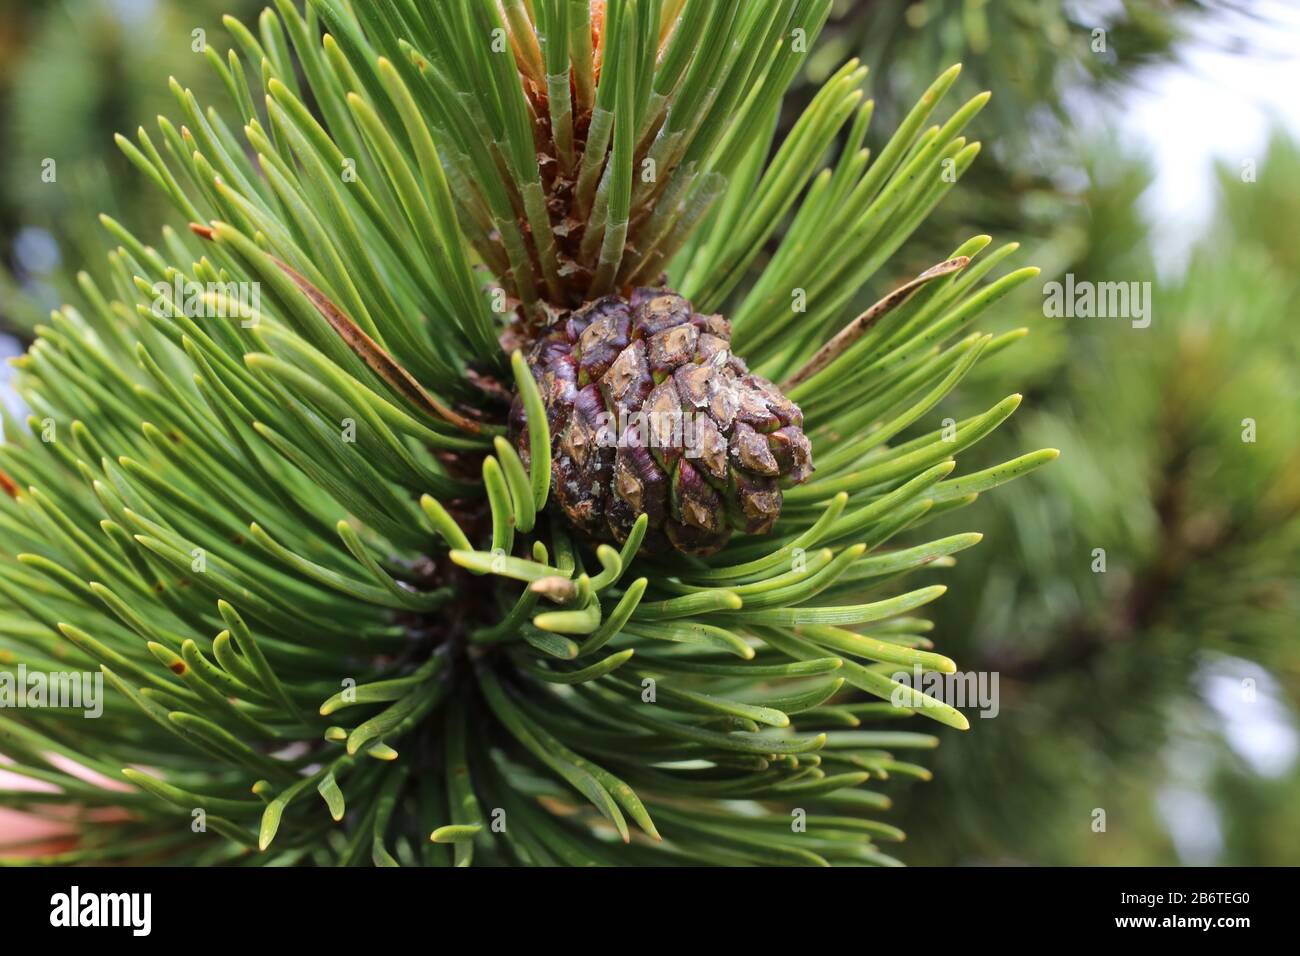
73, 73
1162, 691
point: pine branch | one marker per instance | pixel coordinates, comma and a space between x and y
311, 547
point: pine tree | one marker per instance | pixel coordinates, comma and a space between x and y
293, 533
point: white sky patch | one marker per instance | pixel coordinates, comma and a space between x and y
9, 348
1238, 80
1255, 722
1192, 820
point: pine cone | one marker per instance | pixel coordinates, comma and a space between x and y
651, 413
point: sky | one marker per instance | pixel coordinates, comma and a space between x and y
1217, 105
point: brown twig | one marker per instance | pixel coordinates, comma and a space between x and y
859, 326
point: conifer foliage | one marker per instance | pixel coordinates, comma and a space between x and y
338, 616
